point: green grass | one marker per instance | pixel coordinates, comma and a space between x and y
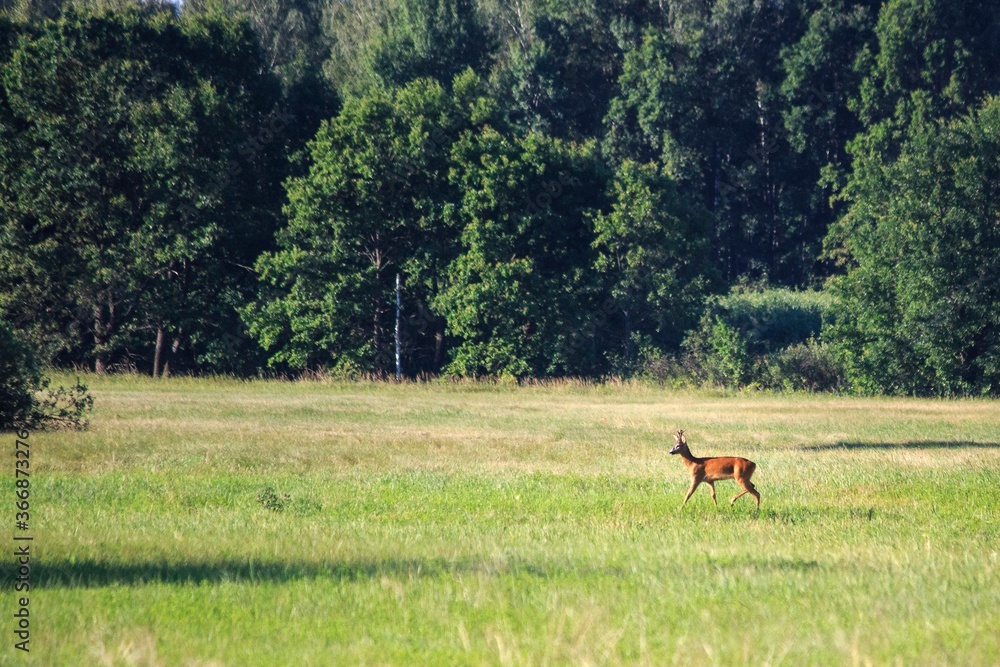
472, 524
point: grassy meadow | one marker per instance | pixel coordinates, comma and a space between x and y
473, 524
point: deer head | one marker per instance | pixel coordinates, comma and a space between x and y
682, 443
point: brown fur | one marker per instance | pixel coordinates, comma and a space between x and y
714, 468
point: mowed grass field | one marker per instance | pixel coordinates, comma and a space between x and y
474, 524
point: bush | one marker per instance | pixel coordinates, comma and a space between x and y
769, 320
765, 338
20, 378
676, 370
809, 366
25, 398
728, 360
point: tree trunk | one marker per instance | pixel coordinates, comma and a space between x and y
377, 336
179, 338
399, 310
176, 345
627, 320
439, 325
439, 345
158, 355
101, 328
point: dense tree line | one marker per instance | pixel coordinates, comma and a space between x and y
556, 188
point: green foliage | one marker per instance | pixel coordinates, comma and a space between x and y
290, 32
769, 319
20, 378
518, 297
375, 202
295, 46
728, 359
820, 78
809, 366
653, 251
557, 185
25, 399
130, 195
929, 60
920, 307
62, 407
270, 500
558, 63
764, 337
384, 45
917, 313
820, 82
701, 97
934, 58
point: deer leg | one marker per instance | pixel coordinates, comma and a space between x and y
748, 487
711, 485
694, 485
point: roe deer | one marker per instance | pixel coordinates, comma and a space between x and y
714, 468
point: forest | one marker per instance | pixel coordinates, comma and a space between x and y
791, 194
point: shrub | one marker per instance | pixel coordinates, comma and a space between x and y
270, 500
676, 370
20, 378
756, 336
25, 398
769, 320
808, 366
728, 360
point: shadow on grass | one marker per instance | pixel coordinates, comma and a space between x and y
97, 574
763, 564
911, 444
93, 573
